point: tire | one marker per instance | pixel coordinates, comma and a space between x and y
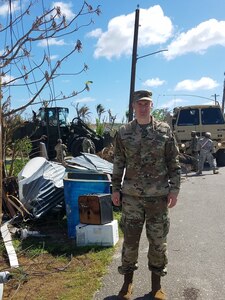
76, 147
220, 158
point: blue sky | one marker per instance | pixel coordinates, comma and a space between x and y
193, 32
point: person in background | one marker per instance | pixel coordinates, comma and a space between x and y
146, 160
88, 145
194, 149
60, 149
206, 151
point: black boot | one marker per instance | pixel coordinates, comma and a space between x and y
157, 293
127, 288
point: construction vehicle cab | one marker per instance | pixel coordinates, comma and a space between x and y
52, 123
53, 116
200, 118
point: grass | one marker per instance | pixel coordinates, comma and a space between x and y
52, 267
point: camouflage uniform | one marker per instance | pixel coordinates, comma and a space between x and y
60, 149
206, 148
149, 156
88, 146
194, 149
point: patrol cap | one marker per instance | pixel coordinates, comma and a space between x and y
142, 95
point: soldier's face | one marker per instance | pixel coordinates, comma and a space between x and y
142, 109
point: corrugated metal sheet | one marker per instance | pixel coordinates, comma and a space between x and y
41, 186
92, 162
41, 181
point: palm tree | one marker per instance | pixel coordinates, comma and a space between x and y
100, 110
83, 112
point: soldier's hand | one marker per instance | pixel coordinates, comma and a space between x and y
116, 198
171, 200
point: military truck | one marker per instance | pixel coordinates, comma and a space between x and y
51, 124
200, 118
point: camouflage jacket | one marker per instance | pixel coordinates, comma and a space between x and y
194, 144
88, 146
146, 160
205, 144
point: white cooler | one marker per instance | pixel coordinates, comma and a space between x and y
103, 235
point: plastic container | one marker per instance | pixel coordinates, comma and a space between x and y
102, 235
73, 188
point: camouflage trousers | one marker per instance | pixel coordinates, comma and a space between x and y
206, 155
152, 211
195, 160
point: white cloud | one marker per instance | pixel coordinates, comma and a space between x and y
85, 100
7, 78
4, 9
205, 83
198, 39
51, 42
172, 103
95, 33
155, 28
153, 82
53, 57
65, 9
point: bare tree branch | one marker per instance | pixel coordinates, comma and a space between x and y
52, 24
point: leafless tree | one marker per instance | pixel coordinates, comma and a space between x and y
112, 118
18, 65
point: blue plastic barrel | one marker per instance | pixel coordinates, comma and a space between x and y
73, 188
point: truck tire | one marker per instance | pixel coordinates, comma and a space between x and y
220, 158
76, 147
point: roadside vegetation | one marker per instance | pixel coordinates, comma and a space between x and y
52, 267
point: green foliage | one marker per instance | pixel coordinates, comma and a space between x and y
100, 127
160, 114
23, 147
18, 165
117, 216
20, 156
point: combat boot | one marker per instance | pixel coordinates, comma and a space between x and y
157, 292
127, 288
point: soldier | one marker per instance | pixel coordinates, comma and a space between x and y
206, 149
194, 149
60, 149
88, 145
147, 154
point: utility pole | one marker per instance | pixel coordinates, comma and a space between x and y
223, 100
133, 66
1, 162
215, 98
134, 62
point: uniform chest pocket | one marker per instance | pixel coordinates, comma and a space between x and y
132, 144
155, 144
